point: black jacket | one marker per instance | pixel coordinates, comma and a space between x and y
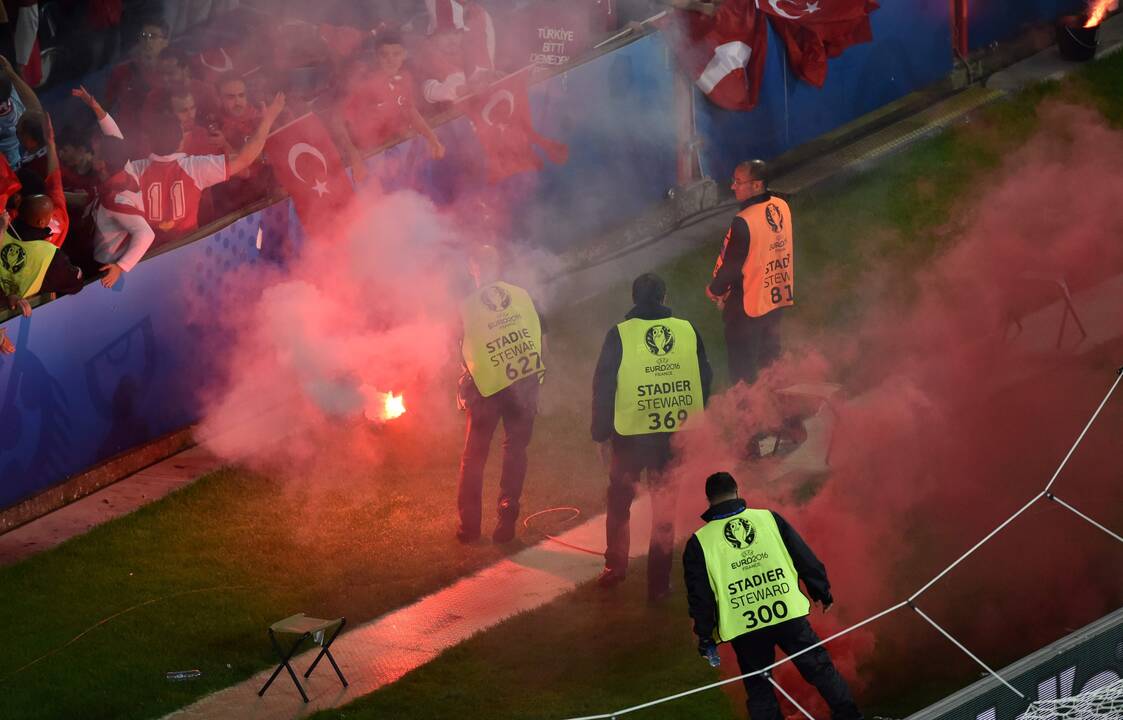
730, 278
604, 379
699, 594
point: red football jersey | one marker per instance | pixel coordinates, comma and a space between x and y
172, 186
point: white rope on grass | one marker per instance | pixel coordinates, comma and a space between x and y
969, 654
1056, 499
789, 697
910, 602
738, 678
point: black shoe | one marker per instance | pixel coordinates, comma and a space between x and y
467, 538
504, 532
610, 578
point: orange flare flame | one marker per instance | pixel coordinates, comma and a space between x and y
381, 406
1098, 10
394, 406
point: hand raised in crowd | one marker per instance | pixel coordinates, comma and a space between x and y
6, 345
274, 108
112, 274
15, 302
88, 100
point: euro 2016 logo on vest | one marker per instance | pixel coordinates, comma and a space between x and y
496, 298
774, 217
660, 340
739, 533
13, 257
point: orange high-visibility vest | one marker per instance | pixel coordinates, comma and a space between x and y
768, 275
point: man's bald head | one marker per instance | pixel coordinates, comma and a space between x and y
36, 211
750, 178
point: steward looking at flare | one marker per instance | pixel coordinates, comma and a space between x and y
652, 380
742, 571
502, 347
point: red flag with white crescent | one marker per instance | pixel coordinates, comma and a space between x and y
306, 163
501, 118
724, 53
815, 30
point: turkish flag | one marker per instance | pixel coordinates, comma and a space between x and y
308, 166
725, 53
815, 30
501, 118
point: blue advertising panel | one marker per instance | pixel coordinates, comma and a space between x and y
911, 49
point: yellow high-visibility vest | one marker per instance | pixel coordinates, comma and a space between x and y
502, 337
658, 384
768, 275
751, 573
23, 265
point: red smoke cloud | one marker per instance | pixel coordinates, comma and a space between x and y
950, 428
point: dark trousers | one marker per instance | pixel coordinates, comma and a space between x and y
752, 343
516, 406
631, 457
756, 650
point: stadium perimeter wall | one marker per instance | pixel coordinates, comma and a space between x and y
1086, 660
105, 371
991, 21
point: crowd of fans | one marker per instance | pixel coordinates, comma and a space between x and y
175, 137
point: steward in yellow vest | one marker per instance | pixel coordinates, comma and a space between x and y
504, 363
742, 571
30, 264
652, 380
754, 276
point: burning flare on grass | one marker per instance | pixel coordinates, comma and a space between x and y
382, 406
1098, 9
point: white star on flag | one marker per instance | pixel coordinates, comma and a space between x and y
320, 187
813, 7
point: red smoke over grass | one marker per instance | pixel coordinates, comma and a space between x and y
327, 352
951, 428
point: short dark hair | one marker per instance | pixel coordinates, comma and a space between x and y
387, 37
719, 484
5, 88
649, 289
114, 152
74, 135
156, 23
164, 132
31, 182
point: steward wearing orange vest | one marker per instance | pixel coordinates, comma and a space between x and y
754, 277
